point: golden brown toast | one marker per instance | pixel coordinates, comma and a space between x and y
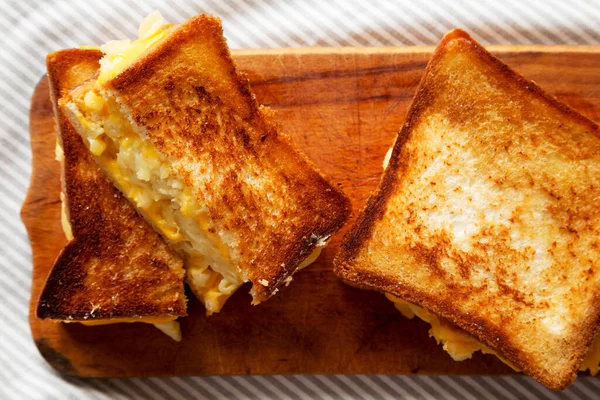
116, 266
240, 197
487, 214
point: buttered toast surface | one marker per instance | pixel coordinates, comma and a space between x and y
487, 214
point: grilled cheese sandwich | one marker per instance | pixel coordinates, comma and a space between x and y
90, 283
235, 215
485, 221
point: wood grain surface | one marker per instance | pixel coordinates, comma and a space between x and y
342, 108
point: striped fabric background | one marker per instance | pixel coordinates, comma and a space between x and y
33, 28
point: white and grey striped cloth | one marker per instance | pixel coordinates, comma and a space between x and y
31, 29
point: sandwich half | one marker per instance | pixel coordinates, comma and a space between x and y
115, 267
178, 130
486, 221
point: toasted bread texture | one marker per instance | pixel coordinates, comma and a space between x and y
116, 266
261, 200
487, 214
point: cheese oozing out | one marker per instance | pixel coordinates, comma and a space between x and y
168, 325
461, 346
119, 54
145, 176
59, 155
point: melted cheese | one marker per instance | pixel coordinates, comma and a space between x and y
591, 361
64, 219
145, 178
387, 158
461, 346
118, 54
171, 329
312, 257
210, 287
147, 320
167, 325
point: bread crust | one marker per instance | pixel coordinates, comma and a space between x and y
116, 266
557, 369
194, 105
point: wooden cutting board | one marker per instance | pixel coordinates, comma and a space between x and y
342, 107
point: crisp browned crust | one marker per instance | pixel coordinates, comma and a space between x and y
116, 266
489, 297
199, 110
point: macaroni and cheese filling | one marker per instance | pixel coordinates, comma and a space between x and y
461, 346
119, 54
145, 177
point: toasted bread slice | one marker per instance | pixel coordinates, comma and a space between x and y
203, 162
116, 268
487, 214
